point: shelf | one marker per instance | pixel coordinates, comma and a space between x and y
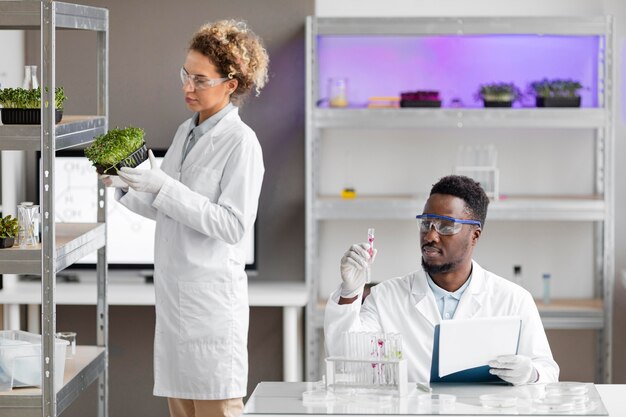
27, 15
128, 288
559, 314
71, 131
573, 208
572, 314
454, 26
358, 118
80, 371
73, 242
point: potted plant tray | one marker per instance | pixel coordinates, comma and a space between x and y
27, 116
9, 229
556, 92
116, 149
499, 94
23, 106
420, 98
557, 101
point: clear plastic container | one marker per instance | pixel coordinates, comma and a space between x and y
20, 359
436, 402
498, 401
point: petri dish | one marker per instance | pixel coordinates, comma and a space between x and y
498, 401
436, 402
317, 396
576, 399
566, 388
553, 404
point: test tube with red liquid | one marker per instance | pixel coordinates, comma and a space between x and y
370, 240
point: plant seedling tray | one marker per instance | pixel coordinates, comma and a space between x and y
27, 116
131, 161
557, 101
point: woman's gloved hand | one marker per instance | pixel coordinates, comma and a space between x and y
113, 181
146, 180
353, 265
516, 369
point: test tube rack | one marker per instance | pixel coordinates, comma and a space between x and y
384, 375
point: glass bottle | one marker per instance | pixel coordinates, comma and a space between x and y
30, 77
28, 221
546, 288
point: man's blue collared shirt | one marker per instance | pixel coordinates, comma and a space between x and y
447, 302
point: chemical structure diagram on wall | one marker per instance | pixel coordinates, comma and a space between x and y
130, 236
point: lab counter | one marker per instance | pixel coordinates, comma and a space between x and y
284, 399
128, 288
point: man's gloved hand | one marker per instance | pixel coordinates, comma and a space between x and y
146, 180
516, 369
113, 181
353, 265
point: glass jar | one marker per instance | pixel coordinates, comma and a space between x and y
28, 221
338, 92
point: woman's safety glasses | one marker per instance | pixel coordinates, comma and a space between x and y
199, 82
444, 225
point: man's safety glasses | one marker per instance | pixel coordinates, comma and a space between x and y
444, 225
199, 82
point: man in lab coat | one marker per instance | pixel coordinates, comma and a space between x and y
450, 285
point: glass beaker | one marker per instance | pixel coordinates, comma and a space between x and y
30, 77
71, 338
338, 92
28, 221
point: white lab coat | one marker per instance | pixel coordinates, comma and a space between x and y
202, 214
407, 306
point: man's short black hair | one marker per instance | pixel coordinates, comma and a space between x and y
476, 201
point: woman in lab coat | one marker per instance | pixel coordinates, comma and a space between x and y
204, 198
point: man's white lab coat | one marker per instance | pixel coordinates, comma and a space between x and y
407, 306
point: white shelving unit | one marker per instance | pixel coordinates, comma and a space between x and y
326, 126
62, 244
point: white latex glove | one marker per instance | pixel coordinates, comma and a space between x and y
516, 369
113, 181
146, 180
353, 265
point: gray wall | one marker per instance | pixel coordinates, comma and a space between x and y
148, 41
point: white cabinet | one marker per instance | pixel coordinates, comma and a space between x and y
556, 164
62, 244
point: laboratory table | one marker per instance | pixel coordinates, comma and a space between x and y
284, 399
128, 288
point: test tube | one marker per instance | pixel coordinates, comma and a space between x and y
370, 240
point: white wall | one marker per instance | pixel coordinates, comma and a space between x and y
12, 62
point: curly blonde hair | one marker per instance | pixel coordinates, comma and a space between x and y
236, 51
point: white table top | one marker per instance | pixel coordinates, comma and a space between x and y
282, 399
129, 288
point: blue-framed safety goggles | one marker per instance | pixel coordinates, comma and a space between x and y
444, 225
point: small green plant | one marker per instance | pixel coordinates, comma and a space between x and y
21, 98
555, 88
498, 92
8, 227
114, 147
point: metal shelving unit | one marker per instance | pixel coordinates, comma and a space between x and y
597, 208
62, 244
